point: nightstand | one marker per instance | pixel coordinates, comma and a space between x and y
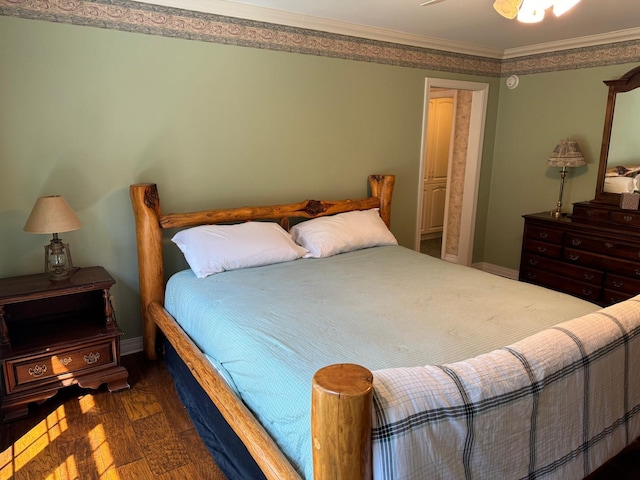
56, 334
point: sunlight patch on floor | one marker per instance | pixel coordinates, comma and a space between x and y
39, 437
101, 452
34, 442
67, 471
87, 403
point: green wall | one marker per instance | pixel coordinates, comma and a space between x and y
543, 109
85, 112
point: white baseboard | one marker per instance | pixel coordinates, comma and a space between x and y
497, 270
130, 345
450, 258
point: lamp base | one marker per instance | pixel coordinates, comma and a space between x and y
62, 275
57, 260
557, 214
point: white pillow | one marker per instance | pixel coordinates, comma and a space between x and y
211, 249
344, 232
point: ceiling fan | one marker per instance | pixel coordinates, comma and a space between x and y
527, 11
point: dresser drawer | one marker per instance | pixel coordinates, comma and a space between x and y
543, 248
611, 296
603, 245
561, 283
622, 284
54, 366
583, 274
590, 213
626, 218
550, 235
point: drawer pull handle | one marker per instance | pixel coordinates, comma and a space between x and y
587, 291
617, 284
610, 245
574, 256
92, 358
638, 271
590, 213
589, 276
543, 234
534, 261
65, 361
37, 370
628, 218
531, 275
576, 241
544, 249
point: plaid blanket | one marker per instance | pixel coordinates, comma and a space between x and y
555, 405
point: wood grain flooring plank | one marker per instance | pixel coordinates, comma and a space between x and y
141, 402
121, 437
200, 457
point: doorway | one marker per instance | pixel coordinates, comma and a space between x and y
460, 192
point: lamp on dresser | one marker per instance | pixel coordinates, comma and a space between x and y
566, 154
52, 214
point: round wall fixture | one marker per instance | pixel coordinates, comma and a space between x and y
512, 82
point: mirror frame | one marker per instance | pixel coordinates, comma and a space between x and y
626, 83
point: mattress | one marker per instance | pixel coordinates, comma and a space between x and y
268, 329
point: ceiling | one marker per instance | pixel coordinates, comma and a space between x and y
465, 26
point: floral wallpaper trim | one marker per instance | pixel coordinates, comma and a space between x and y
165, 21
595, 56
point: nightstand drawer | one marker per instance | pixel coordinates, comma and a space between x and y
51, 367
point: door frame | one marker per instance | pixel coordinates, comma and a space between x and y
479, 100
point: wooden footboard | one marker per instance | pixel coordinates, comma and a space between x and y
341, 394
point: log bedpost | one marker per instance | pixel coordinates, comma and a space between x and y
146, 210
341, 409
382, 187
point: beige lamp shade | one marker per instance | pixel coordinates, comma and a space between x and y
52, 214
566, 154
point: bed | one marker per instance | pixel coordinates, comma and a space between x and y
500, 380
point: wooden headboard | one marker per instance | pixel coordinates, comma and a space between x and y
150, 221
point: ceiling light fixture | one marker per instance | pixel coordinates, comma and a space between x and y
531, 11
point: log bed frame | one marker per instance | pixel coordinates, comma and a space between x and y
341, 394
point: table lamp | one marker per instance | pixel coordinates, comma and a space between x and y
52, 214
566, 154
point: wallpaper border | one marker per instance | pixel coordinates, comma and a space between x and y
150, 19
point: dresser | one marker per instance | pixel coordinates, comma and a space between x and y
593, 253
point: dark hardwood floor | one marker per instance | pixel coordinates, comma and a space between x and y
141, 433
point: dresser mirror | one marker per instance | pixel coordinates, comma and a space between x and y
620, 152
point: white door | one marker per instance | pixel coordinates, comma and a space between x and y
440, 127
